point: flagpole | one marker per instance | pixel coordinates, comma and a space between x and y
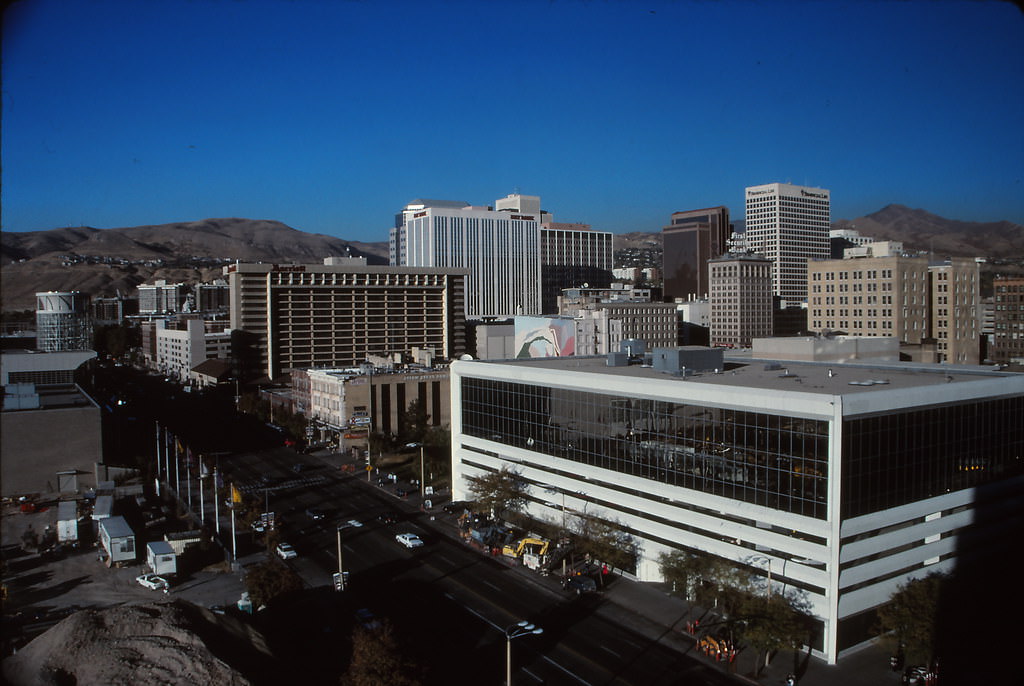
157, 459
234, 543
177, 475
188, 476
202, 500
216, 501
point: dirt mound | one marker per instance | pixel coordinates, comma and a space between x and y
173, 642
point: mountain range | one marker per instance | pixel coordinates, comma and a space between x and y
105, 261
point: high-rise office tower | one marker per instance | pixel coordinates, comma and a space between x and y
572, 256
789, 225
741, 299
693, 238
500, 248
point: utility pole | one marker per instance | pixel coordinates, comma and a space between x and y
157, 459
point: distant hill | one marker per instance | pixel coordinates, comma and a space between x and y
922, 230
104, 261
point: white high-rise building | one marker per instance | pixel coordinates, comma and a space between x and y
789, 225
500, 248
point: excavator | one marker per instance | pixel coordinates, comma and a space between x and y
516, 549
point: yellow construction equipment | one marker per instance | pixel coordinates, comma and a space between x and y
516, 549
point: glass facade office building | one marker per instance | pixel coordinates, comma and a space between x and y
851, 479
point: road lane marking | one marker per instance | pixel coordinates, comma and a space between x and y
488, 583
607, 649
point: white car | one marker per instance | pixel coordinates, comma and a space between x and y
154, 582
409, 540
285, 551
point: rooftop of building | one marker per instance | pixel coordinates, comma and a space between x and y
825, 378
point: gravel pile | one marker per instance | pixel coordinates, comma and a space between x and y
174, 642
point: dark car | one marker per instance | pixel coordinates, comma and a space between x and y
457, 506
579, 584
315, 514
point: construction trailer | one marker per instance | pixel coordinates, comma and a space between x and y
161, 558
67, 522
117, 540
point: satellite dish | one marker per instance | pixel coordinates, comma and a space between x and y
467, 356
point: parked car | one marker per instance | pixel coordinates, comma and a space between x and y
409, 540
285, 551
579, 584
154, 582
457, 506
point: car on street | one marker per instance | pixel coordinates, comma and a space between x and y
285, 551
154, 582
409, 540
315, 514
387, 517
579, 584
259, 527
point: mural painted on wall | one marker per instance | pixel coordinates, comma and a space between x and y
545, 336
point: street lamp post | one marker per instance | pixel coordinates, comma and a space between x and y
517, 630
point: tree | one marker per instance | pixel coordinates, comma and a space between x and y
269, 580
605, 540
772, 623
415, 423
704, 579
909, 619
377, 660
499, 492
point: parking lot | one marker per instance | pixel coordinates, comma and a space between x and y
43, 589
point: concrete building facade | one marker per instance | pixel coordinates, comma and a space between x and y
834, 482
300, 316
500, 249
741, 299
877, 290
1008, 320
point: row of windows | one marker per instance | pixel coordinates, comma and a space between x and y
772, 460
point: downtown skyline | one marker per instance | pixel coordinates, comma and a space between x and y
330, 117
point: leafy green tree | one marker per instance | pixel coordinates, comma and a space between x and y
377, 660
500, 493
773, 623
910, 618
269, 580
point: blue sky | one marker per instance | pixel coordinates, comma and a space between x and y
329, 115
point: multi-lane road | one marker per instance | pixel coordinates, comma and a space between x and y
449, 604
